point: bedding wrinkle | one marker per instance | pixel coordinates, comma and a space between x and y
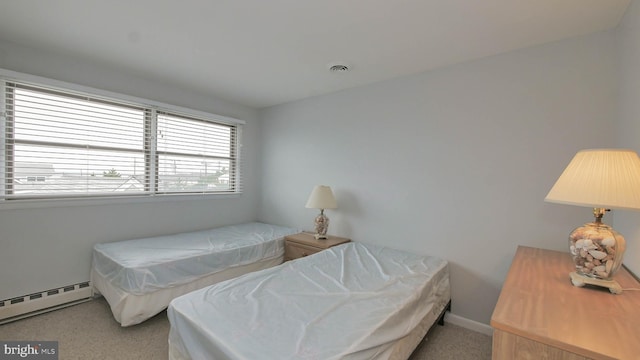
370, 258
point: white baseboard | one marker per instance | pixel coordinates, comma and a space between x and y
468, 324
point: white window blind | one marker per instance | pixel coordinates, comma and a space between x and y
67, 144
195, 155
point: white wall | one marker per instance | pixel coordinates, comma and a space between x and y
628, 126
454, 162
43, 248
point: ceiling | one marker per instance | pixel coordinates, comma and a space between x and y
260, 53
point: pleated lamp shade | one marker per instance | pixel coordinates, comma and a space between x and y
321, 198
600, 178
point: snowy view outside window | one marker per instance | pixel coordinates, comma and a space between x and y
59, 144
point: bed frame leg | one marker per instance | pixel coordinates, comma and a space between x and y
441, 317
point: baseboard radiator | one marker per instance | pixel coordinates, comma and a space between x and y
37, 303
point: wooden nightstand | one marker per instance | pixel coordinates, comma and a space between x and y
304, 244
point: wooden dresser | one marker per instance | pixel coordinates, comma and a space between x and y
540, 315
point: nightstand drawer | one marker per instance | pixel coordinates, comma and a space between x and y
296, 251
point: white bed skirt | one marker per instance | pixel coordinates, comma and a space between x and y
130, 309
404, 347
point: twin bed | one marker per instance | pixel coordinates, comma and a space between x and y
139, 278
352, 301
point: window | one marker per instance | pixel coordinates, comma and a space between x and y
194, 155
59, 143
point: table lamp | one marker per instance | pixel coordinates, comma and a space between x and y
321, 198
602, 179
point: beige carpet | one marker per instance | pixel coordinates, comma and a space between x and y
88, 331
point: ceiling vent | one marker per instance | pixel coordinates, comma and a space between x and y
338, 67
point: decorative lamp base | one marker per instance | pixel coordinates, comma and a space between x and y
597, 251
320, 237
582, 280
322, 224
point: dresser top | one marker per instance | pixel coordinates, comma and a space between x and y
539, 302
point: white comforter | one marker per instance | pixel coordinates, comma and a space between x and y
351, 301
146, 265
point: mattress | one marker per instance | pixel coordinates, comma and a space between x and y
146, 265
139, 278
353, 301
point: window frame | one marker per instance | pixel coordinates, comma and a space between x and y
151, 154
